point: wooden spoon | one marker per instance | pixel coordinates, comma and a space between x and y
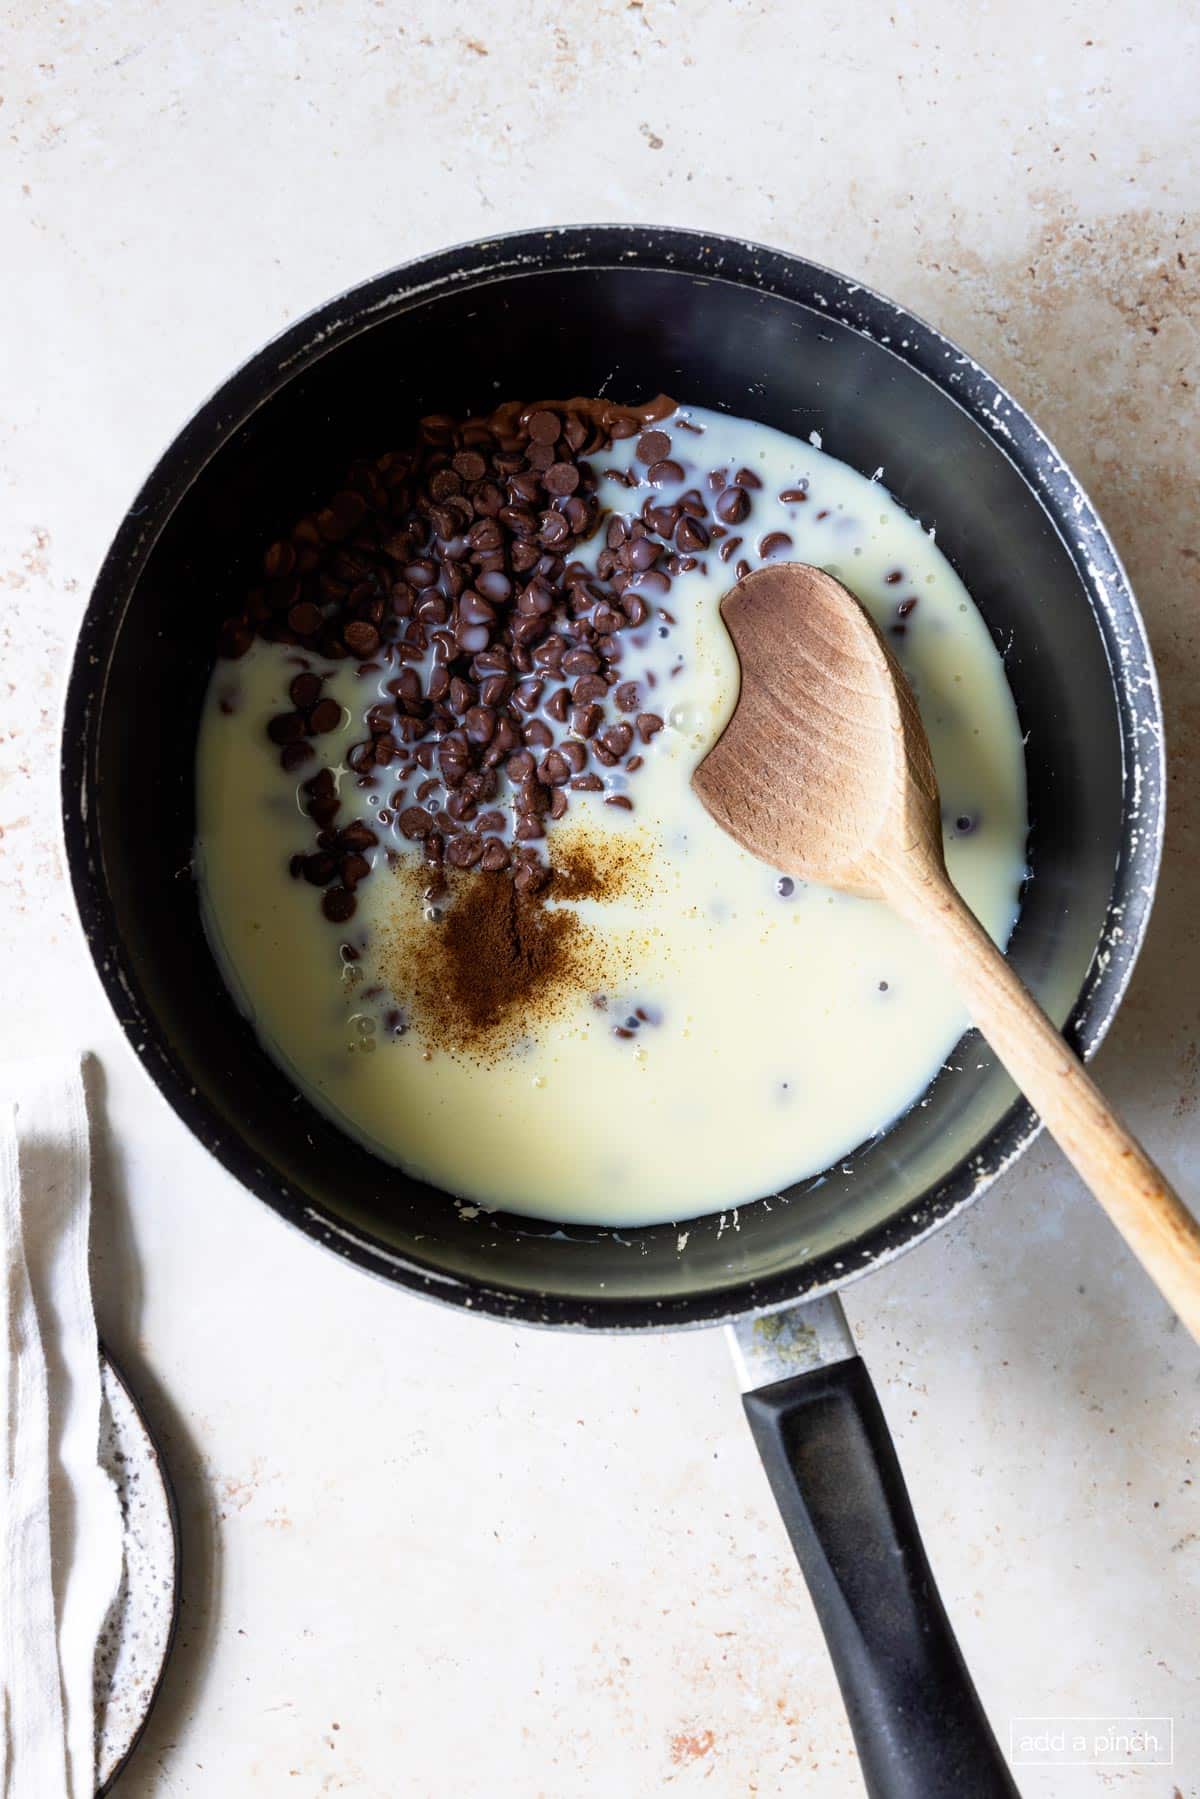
824, 771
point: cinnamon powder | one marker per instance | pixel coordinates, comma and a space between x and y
497, 950
498, 959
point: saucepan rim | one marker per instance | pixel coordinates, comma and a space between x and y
705, 256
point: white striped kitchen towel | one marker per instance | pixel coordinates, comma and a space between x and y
60, 1526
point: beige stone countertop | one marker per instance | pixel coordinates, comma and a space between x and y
430, 1556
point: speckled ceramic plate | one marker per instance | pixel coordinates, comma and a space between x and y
136, 1641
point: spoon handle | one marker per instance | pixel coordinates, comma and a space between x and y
1140, 1201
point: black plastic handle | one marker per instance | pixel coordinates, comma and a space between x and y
920, 1729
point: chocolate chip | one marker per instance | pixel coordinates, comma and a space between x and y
664, 472
453, 759
305, 691
652, 581
649, 724
616, 739
465, 850
543, 427
691, 535
561, 478
325, 716
641, 554
305, 619
433, 609
585, 720
619, 799
470, 465
279, 560
338, 904
494, 585
796, 496
652, 446
732, 506
361, 638
605, 621
905, 607
480, 722
746, 478
554, 769
528, 694
286, 727
294, 755
536, 600
775, 543
320, 868
475, 610
415, 822
661, 519
444, 483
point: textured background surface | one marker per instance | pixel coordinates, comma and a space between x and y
429, 1556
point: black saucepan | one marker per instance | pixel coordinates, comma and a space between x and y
628, 311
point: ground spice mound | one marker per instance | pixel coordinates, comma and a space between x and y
501, 957
499, 951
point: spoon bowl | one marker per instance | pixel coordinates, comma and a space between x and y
827, 715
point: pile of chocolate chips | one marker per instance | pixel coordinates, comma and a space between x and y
452, 563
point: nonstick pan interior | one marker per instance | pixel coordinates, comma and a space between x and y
626, 312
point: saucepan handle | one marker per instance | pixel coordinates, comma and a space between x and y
917, 1721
